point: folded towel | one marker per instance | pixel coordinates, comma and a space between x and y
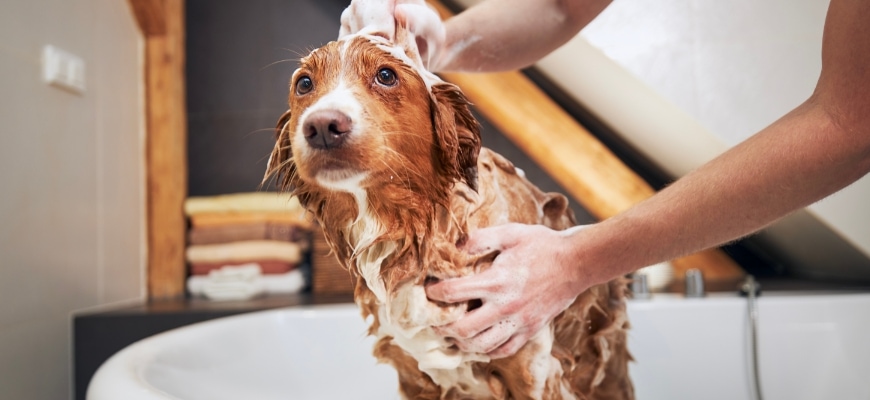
290, 282
231, 283
242, 202
244, 251
253, 231
210, 219
268, 267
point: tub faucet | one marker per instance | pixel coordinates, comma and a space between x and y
751, 289
694, 283
639, 286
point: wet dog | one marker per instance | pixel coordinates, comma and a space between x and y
387, 158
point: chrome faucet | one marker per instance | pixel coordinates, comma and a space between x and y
694, 283
639, 286
751, 289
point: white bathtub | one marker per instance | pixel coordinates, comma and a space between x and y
813, 346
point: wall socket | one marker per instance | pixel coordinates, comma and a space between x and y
63, 70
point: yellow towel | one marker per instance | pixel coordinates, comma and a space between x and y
245, 251
243, 202
202, 220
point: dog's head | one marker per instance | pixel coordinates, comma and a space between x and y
364, 118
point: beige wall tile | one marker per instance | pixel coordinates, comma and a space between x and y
71, 212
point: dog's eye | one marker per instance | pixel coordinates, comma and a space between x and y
304, 85
386, 77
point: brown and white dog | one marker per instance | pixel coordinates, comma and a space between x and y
387, 157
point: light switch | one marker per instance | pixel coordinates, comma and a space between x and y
63, 70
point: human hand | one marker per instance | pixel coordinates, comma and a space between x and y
421, 21
532, 279
425, 24
368, 16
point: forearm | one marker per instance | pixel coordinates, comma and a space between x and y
510, 34
796, 161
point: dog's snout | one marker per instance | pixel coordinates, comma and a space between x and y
326, 129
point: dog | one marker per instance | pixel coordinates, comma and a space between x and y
388, 159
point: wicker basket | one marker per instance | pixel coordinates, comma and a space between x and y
327, 274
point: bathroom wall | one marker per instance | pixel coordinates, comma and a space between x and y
71, 178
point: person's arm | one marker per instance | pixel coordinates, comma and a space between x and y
818, 148
500, 35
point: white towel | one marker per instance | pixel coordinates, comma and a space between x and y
244, 282
240, 282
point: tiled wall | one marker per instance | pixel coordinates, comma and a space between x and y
71, 187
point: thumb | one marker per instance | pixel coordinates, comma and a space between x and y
425, 24
420, 19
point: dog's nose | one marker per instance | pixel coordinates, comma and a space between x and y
326, 129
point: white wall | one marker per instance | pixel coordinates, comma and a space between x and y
71, 168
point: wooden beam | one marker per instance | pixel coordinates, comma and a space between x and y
586, 168
150, 15
166, 144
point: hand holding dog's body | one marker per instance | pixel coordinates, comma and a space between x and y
530, 282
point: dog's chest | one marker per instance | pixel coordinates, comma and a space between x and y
405, 316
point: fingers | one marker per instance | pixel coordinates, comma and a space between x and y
471, 324
488, 340
485, 330
509, 348
425, 25
494, 238
346, 17
370, 15
421, 20
457, 290
481, 331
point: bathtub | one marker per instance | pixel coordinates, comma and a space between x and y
811, 346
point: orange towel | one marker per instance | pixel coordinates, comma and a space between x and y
258, 231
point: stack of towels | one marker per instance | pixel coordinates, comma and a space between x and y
246, 244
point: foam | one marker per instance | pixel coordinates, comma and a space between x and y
380, 28
409, 322
369, 257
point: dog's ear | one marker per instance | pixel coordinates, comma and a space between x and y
457, 133
281, 160
556, 213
